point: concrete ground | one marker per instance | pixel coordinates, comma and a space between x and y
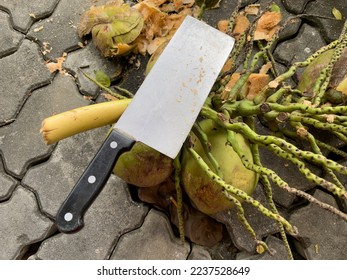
36, 178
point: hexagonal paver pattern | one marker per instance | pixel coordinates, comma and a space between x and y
153, 241
21, 72
42, 103
9, 38
112, 214
326, 234
24, 13
7, 185
21, 224
54, 179
262, 225
89, 60
59, 31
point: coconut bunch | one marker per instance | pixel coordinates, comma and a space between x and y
219, 165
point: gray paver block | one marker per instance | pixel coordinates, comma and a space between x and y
277, 251
21, 224
199, 253
54, 179
263, 226
306, 43
287, 171
295, 6
291, 28
326, 22
112, 214
21, 72
21, 143
153, 240
7, 185
88, 60
9, 38
24, 13
326, 233
59, 31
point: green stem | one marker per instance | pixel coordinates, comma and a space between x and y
201, 135
241, 194
177, 166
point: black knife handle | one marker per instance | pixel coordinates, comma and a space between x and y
70, 215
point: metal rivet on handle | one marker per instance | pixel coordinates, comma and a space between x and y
68, 217
91, 179
113, 144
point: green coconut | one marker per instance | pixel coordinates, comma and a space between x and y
205, 194
143, 166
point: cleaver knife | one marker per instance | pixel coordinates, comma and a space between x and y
160, 115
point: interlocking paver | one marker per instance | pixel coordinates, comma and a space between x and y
21, 224
58, 33
25, 13
154, 240
324, 232
263, 226
295, 6
88, 60
21, 72
199, 253
287, 171
7, 185
277, 251
42, 103
54, 179
321, 16
308, 41
9, 38
112, 214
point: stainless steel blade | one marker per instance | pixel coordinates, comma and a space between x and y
166, 105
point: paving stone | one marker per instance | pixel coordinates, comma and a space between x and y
54, 179
25, 13
321, 10
154, 240
112, 214
7, 185
324, 232
42, 103
199, 253
88, 60
21, 72
291, 28
286, 170
295, 6
277, 251
306, 43
21, 224
9, 38
263, 226
58, 33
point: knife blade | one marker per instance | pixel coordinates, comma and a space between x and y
160, 115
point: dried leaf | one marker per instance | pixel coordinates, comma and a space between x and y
265, 68
241, 25
223, 25
273, 84
267, 26
256, 82
337, 14
57, 66
252, 9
